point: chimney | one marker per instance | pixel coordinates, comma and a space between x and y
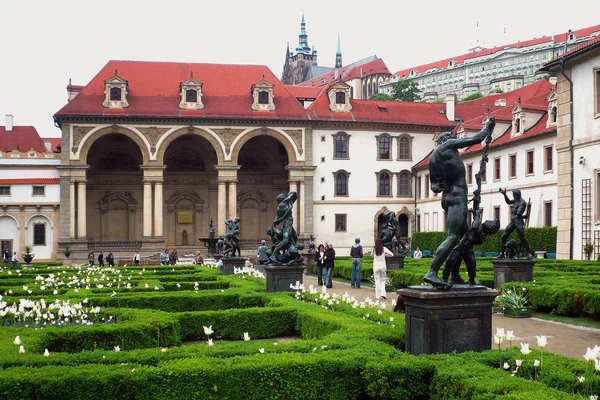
450, 102
9, 123
552, 80
72, 91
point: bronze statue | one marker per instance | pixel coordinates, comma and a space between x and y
518, 207
212, 228
232, 238
447, 175
285, 249
311, 244
389, 233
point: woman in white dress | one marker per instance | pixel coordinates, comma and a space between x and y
379, 254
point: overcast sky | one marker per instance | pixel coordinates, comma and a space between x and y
44, 43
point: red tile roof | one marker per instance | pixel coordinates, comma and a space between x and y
153, 90
558, 38
541, 86
349, 72
29, 181
54, 143
22, 139
304, 92
574, 52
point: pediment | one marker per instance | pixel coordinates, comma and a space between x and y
551, 96
516, 108
263, 84
116, 80
191, 82
191, 195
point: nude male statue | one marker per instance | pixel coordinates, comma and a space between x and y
518, 207
447, 175
284, 214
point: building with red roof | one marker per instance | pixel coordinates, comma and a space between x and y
486, 71
29, 191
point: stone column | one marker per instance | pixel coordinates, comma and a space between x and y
301, 208
81, 211
72, 210
158, 209
221, 206
232, 200
147, 210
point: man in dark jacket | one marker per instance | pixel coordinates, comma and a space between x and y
356, 252
110, 259
329, 263
101, 260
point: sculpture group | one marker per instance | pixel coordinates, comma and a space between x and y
390, 227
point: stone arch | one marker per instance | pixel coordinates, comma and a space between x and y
285, 140
117, 216
11, 216
40, 215
169, 137
91, 138
411, 218
9, 230
42, 251
252, 208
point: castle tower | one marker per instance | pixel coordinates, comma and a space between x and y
297, 65
338, 54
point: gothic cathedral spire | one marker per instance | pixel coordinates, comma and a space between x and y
338, 54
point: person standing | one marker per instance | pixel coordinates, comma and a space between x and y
418, 254
329, 264
136, 259
15, 261
263, 258
162, 258
379, 254
174, 257
198, 260
91, 258
110, 259
356, 252
6, 256
101, 260
320, 260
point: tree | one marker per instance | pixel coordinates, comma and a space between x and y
473, 97
406, 90
381, 96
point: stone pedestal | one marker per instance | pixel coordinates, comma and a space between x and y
279, 277
540, 254
211, 244
309, 261
443, 321
229, 263
394, 262
512, 270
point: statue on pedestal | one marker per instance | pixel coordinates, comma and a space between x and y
447, 175
285, 250
232, 238
518, 207
211, 228
311, 244
389, 233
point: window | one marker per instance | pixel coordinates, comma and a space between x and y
512, 166
341, 145
115, 94
4, 190
529, 162
548, 158
263, 97
340, 222
597, 90
419, 187
340, 98
497, 169
405, 148
384, 148
469, 174
517, 125
427, 186
404, 184
547, 213
191, 96
341, 183
39, 234
384, 184
497, 213
39, 190
553, 115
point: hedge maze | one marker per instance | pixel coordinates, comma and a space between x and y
141, 333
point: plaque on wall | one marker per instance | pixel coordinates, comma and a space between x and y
185, 217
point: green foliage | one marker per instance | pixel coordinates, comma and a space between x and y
496, 90
381, 96
406, 90
473, 97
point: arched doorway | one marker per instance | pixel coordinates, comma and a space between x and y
9, 235
39, 234
190, 181
114, 189
403, 225
261, 177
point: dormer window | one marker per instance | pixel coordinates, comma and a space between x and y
263, 96
339, 97
115, 92
191, 94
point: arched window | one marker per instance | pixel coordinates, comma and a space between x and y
191, 96
517, 125
115, 94
384, 148
263, 97
341, 183
384, 184
341, 145
405, 184
405, 148
553, 115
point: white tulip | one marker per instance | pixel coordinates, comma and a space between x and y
46, 353
208, 330
17, 341
22, 350
246, 337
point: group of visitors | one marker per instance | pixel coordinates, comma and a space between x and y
325, 259
110, 259
167, 258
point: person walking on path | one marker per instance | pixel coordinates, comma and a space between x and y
379, 254
174, 257
263, 258
356, 252
136, 259
418, 254
91, 258
110, 259
101, 260
329, 264
320, 260
15, 261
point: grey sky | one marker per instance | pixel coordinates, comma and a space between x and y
47, 42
